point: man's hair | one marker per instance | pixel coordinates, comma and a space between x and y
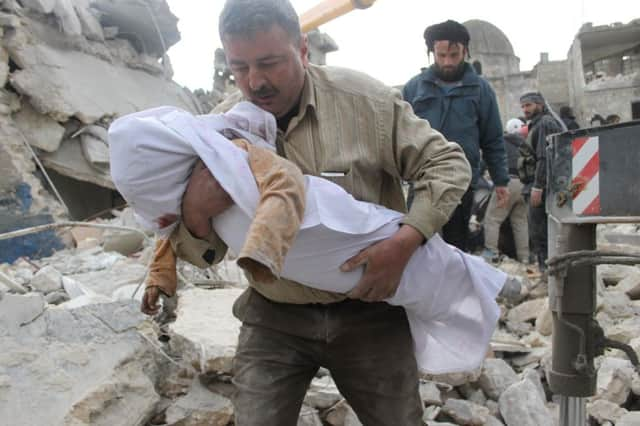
247, 17
451, 31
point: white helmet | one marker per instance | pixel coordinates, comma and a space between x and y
514, 125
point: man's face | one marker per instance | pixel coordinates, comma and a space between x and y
449, 59
530, 109
268, 67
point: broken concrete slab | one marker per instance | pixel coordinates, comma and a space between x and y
42, 6
342, 415
209, 348
69, 22
430, 393
521, 405
69, 160
89, 23
632, 418
466, 412
47, 280
322, 393
41, 131
11, 284
96, 151
496, 377
526, 311
19, 310
81, 367
602, 411
614, 379
200, 407
544, 320
62, 82
309, 417
138, 20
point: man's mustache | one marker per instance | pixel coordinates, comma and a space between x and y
263, 92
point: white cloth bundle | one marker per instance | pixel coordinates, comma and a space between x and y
449, 296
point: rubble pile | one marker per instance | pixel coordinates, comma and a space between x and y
67, 69
74, 341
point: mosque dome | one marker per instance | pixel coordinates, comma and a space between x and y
486, 38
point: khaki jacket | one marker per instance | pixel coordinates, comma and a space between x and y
362, 135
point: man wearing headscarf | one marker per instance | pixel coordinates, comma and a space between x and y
462, 106
534, 174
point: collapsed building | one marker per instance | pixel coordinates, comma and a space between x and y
68, 68
601, 74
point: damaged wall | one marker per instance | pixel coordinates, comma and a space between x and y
68, 68
604, 65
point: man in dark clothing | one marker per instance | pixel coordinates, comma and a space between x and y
541, 125
462, 106
566, 115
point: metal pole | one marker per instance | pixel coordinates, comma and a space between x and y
328, 10
573, 411
572, 301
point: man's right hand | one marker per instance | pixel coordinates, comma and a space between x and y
203, 200
149, 304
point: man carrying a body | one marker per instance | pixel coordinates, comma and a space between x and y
462, 106
351, 129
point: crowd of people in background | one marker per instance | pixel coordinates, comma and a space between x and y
458, 102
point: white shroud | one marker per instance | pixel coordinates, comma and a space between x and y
449, 296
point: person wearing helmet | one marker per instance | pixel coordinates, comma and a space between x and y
516, 208
462, 106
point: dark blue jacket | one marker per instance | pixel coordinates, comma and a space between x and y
467, 114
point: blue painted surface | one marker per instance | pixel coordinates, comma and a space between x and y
14, 215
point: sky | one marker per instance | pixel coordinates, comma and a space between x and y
385, 41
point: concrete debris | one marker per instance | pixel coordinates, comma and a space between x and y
42, 6
604, 411
106, 362
342, 415
496, 377
41, 131
322, 393
465, 412
200, 407
629, 419
60, 73
47, 280
614, 379
208, 349
430, 393
521, 405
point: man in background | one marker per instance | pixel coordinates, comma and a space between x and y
516, 208
460, 104
532, 168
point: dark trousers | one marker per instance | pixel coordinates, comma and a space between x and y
367, 347
456, 231
538, 233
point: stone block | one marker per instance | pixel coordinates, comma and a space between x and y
41, 131
47, 280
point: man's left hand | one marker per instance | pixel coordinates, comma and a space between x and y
502, 192
384, 263
536, 197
